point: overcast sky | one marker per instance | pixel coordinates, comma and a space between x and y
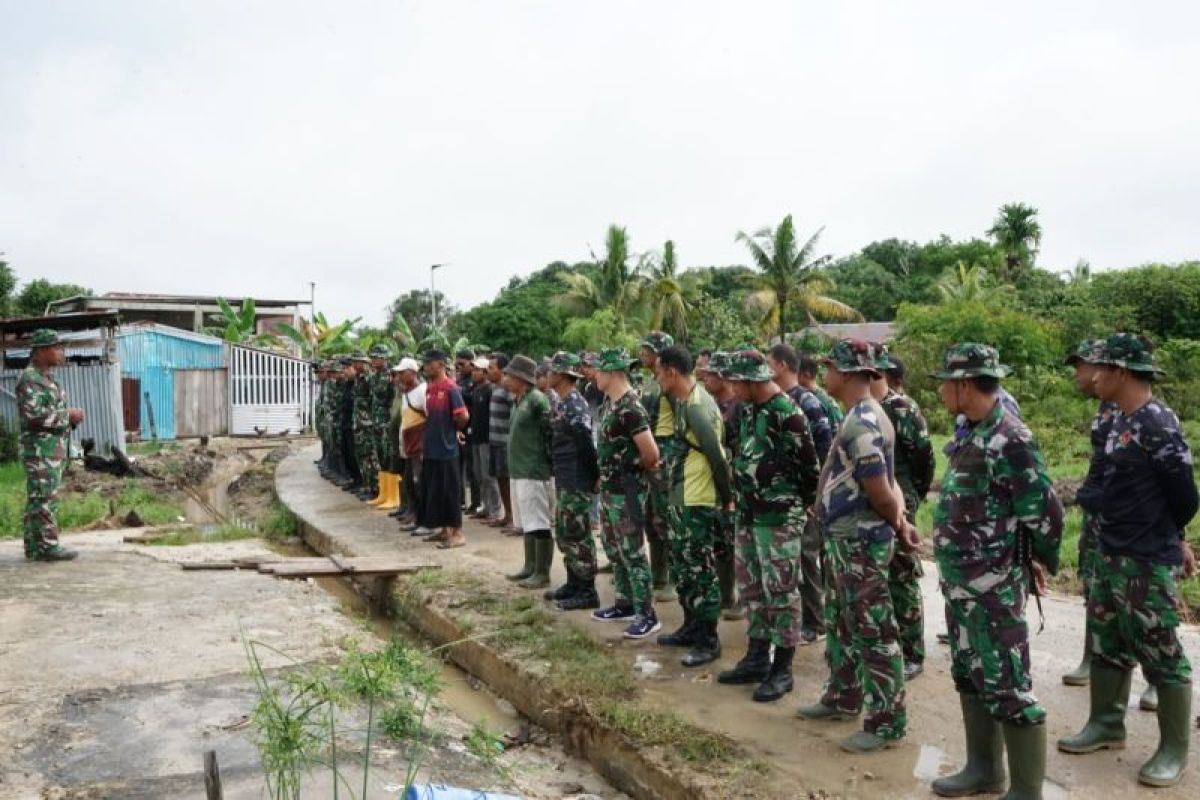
251, 147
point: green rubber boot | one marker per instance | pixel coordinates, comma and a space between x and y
984, 770
1169, 762
1081, 674
1105, 728
527, 570
1026, 745
660, 573
543, 556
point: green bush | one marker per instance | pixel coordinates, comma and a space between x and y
10, 446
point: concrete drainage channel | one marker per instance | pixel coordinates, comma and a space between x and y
582, 733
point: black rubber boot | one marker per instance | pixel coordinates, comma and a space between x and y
684, 636
527, 570
984, 770
562, 592
779, 681
585, 597
543, 557
754, 666
1026, 746
706, 646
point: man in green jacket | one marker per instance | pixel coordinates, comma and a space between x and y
529, 470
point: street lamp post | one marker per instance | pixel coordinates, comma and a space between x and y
433, 293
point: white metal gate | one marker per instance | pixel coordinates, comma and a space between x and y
269, 393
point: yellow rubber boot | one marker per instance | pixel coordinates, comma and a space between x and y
379, 498
392, 501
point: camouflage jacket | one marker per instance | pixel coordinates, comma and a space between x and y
1148, 495
1090, 491
832, 409
573, 444
382, 393
620, 468
820, 422
45, 421
775, 468
914, 450
864, 448
361, 410
996, 496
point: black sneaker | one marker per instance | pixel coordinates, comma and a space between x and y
56, 553
643, 625
616, 613
585, 598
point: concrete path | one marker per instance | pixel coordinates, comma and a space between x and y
804, 749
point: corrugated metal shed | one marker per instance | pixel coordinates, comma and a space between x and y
96, 388
151, 354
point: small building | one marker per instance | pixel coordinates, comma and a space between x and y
187, 312
174, 382
91, 376
867, 331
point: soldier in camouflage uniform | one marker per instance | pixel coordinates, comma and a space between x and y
573, 460
914, 475
661, 410
700, 491
344, 406
862, 509
730, 408
775, 471
627, 454
46, 425
321, 415
997, 526
382, 394
365, 453
1147, 496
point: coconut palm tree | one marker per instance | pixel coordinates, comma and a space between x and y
962, 282
668, 293
790, 279
1018, 234
618, 287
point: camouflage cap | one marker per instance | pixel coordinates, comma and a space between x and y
971, 360
718, 361
380, 351
657, 341
359, 355
589, 358
883, 356
853, 355
747, 365
565, 363
1085, 352
614, 359
1127, 351
44, 337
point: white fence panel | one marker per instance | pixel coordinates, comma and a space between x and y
269, 393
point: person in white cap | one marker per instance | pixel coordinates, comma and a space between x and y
477, 440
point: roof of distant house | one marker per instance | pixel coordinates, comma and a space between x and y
868, 331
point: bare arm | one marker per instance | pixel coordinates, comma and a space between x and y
647, 449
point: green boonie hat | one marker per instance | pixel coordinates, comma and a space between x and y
614, 359
1127, 351
43, 337
853, 355
971, 360
657, 341
747, 365
718, 361
1086, 352
883, 357
359, 355
380, 351
589, 358
566, 364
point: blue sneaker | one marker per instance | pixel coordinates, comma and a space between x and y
643, 625
617, 613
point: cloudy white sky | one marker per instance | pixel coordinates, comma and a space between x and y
252, 147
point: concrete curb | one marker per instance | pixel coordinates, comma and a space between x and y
622, 763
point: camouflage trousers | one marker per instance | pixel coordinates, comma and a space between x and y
42, 479
573, 532
1133, 611
866, 669
812, 573
367, 454
904, 586
723, 543
622, 523
658, 499
1088, 551
693, 561
767, 564
989, 648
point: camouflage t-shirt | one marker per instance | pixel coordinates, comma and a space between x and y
45, 420
775, 468
914, 451
995, 490
820, 423
864, 448
1089, 494
620, 467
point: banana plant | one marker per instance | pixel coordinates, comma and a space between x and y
320, 338
239, 326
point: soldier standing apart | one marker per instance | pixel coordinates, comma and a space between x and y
662, 423
775, 470
785, 363
573, 453
700, 491
730, 408
627, 455
997, 525
863, 513
914, 475
1146, 499
46, 425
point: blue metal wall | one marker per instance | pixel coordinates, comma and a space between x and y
152, 354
